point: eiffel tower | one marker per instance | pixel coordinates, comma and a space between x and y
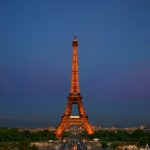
74, 98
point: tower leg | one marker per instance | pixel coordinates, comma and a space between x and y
88, 127
60, 129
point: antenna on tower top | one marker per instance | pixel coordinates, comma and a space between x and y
75, 33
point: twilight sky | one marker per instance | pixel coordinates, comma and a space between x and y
36, 53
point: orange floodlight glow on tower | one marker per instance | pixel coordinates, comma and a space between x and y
74, 97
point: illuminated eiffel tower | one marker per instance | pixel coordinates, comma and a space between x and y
74, 98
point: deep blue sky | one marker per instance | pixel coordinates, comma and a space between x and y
36, 53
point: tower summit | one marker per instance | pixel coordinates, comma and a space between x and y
74, 98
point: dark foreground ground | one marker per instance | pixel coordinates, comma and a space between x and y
16, 139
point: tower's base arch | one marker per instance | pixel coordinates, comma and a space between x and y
69, 121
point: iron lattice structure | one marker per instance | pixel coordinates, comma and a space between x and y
74, 98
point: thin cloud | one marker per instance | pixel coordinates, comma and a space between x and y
22, 118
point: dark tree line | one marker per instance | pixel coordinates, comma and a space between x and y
14, 137
13, 134
11, 138
138, 137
